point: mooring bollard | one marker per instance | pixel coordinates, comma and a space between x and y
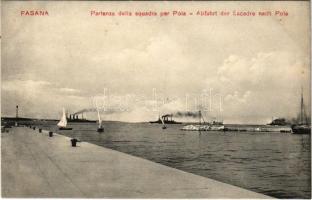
74, 142
40, 130
50, 134
34, 128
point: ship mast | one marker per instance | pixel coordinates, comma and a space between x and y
302, 111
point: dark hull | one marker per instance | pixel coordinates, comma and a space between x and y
80, 121
100, 130
166, 122
301, 130
65, 128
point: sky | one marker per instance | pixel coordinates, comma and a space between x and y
236, 69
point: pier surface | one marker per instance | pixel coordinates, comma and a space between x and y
35, 165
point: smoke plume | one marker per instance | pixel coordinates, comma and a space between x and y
102, 110
186, 114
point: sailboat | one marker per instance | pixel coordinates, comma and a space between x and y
100, 127
63, 122
162, 121
304, 126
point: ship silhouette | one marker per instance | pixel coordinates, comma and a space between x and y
75, 118
167, 119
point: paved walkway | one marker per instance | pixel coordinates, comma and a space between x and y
35, 165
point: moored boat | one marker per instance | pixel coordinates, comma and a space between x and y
301, 129
304, 125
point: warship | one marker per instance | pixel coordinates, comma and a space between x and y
279, 122
75, 118
167, 119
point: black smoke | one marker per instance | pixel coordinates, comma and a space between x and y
107, 111
85, 110
187, 114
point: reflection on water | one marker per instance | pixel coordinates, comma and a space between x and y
275, 164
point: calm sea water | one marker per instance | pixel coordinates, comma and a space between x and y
275, 164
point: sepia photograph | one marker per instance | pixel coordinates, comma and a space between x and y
156, 99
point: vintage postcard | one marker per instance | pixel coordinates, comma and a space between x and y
161, 99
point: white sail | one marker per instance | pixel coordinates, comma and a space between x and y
162, 121
63, 121
100, 121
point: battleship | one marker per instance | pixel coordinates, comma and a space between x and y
75, 118
167, 119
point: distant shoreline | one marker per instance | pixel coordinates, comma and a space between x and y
19, 119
